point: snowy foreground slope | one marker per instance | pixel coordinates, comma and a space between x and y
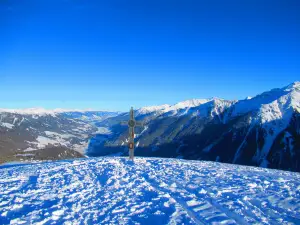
114, 190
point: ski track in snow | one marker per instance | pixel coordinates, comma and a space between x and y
114, 190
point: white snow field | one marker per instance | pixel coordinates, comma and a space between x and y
114, 190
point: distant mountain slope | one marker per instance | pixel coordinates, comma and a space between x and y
38, 134
261, 131
112, 190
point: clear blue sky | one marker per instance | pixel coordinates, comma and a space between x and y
114, 54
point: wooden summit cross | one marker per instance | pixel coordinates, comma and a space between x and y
131, 123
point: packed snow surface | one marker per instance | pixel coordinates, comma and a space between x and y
114, 190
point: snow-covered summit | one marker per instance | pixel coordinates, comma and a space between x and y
189, 104
289, 94
178, 106
149, 191
293, 86
241, 106
271, 105
294, 95
149, 109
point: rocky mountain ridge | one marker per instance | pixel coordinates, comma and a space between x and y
260, 131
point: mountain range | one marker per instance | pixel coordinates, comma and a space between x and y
39, 134
260, 131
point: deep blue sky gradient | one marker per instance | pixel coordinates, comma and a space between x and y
114, 54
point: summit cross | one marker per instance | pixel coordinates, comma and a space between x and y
131, 123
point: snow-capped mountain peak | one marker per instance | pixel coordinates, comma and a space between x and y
178, 106
289, 93
150, 109
294, 94
293, 86
42, 111
189, 104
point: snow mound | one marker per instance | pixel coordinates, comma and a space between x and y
113, 190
